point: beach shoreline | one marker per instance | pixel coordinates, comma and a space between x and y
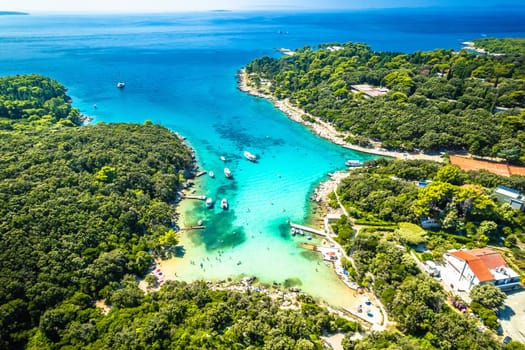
322, 128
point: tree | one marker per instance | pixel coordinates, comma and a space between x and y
514, 345
151, 280
487, 229
450, 174
488, 295
129, 296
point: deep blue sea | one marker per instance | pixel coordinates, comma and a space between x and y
179, 71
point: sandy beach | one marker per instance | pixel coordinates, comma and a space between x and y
322, 128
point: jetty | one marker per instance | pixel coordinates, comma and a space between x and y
201, 198
198, 227
200, 173
308, 229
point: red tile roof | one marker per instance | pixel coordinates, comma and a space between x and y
481, 261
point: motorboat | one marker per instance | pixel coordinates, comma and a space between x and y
120, 85
223, 158
250, 156
211, 174
224, 204
227, 173
209, 202
353, 163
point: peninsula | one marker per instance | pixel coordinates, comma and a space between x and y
402, 105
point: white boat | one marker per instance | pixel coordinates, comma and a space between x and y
250, 156
120, 85
227, 173
353, 163
223, 158
211, 174
209, 202
224, 204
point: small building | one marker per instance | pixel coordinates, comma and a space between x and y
466, 268
370, 91
509, 195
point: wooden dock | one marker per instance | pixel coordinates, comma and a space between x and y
199, 227
308, 229
201, 198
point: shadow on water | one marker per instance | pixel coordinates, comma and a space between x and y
230, 187
284, 231
292, 282
180, 251
220, 232
309, 254
242, 137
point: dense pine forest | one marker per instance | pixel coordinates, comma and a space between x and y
83, 209
386, 200
434, 101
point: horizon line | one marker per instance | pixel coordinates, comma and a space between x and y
247, 10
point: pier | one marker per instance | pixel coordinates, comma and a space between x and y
199, 227
201, 198
308, 229
200, 173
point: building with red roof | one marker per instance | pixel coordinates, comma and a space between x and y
467, 268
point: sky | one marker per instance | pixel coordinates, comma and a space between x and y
148, 6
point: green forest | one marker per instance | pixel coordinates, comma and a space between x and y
437, 101
82, 211
386, 199
80, 206
387, 192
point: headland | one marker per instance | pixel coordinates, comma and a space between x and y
322, 128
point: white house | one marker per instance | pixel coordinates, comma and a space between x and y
466, 268
511, 196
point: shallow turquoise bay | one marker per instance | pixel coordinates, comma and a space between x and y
180, 71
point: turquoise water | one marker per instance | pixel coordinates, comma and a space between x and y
180, 71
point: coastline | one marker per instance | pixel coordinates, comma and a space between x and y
322, 128
321, 212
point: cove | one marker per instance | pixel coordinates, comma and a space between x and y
180, 71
